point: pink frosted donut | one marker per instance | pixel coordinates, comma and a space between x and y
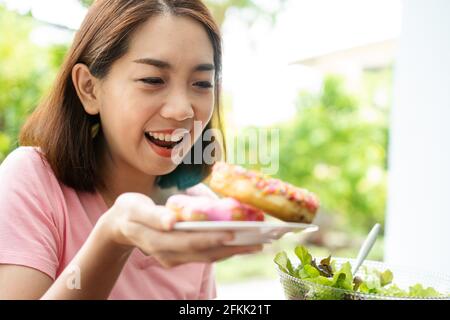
201, 208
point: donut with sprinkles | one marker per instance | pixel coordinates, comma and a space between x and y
273, 196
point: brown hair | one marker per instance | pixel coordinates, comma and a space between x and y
61, 127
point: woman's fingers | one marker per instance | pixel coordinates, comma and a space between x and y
195, 241
156, 217
141, 209
151, 241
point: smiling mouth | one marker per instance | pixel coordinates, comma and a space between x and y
163, 141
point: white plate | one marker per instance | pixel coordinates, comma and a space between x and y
248, 232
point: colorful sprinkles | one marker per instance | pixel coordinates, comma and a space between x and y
269, 185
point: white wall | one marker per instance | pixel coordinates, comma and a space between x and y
418, 221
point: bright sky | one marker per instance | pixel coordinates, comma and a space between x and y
256, 68
257, 74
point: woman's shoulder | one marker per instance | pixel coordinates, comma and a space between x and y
24, 152
29, 184
25, 156
26, 163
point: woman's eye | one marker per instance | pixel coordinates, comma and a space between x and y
203, 84
152, 81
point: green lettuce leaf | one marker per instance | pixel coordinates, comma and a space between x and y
419, 291
386, 278
343, 279
283, 262
309, 271
303, 255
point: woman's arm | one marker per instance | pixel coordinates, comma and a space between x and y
93, 271
15, 282
90, 275
134, 221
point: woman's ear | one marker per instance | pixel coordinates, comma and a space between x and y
86, 86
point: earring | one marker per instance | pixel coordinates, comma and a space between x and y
94, 130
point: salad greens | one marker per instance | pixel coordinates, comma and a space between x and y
327, 274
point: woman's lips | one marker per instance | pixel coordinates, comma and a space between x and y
159, 150
163, 142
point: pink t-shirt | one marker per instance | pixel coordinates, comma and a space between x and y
43, 224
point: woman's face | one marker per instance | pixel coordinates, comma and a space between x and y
164, 83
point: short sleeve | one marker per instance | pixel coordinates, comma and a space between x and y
208, 286
28, 231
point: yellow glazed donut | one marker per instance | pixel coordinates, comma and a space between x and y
275, 197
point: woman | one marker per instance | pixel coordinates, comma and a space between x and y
81, 201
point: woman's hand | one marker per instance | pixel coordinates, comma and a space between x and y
135, 221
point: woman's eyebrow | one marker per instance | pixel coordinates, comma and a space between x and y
205, 67
154, 62
166, 65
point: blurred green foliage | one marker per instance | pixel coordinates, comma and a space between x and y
336, 146
26, 73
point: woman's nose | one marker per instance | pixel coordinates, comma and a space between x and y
178, 107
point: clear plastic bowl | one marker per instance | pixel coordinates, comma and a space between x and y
296, 289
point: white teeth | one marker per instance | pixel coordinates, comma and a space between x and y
179, 134
176, 137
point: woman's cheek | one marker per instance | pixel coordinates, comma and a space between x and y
206, 112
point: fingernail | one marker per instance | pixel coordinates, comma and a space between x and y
167, 222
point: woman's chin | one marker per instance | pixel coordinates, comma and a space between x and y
158, 166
